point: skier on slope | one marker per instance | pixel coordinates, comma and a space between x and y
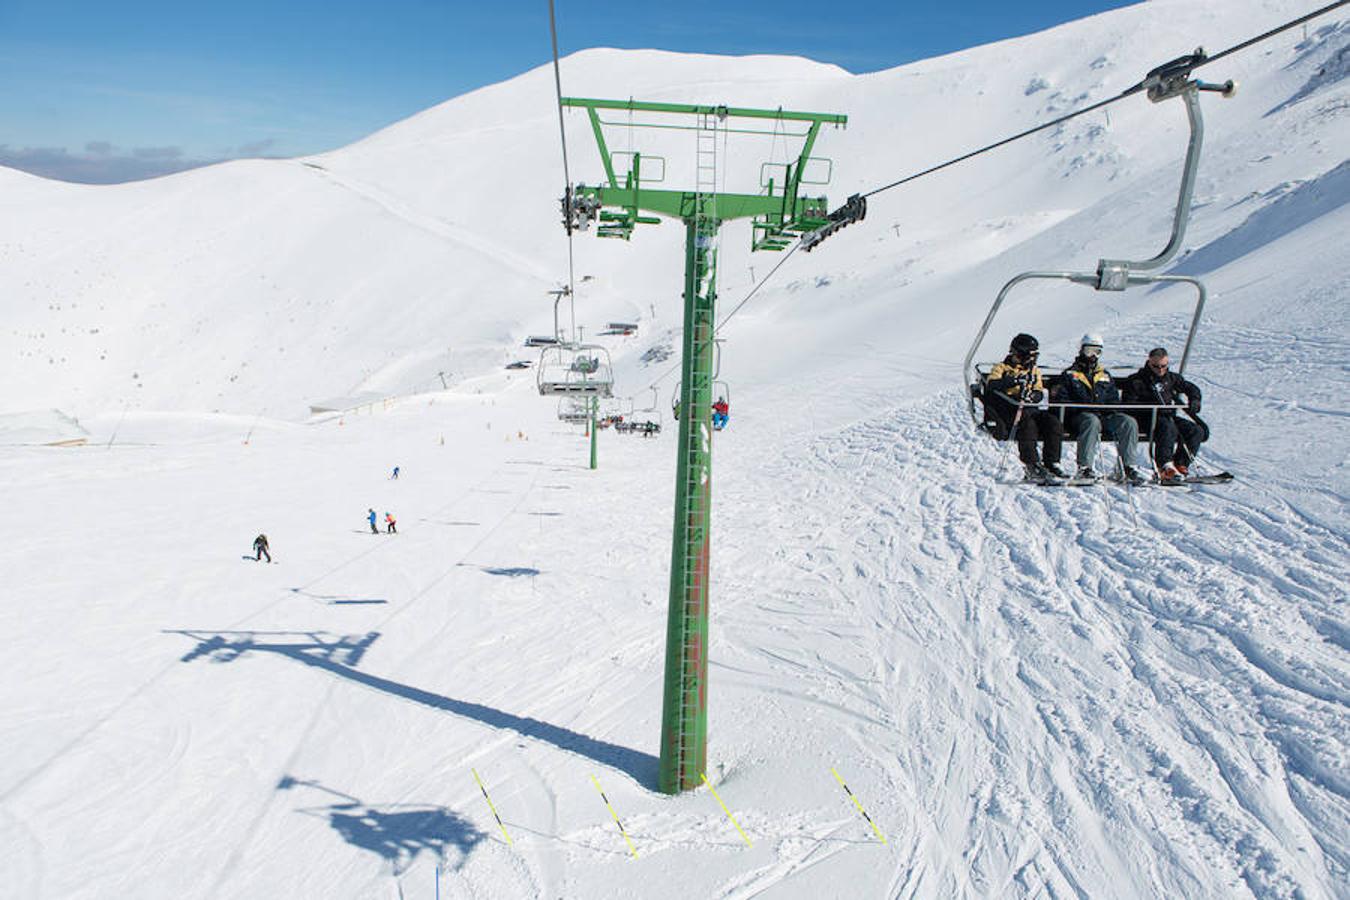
1087, 382
1175, 441
372, 518
395, 475
260, 548
721, 411
1013, 389
390, 523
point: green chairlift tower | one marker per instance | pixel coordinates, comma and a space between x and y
780, 214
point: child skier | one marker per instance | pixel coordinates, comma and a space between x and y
390, 524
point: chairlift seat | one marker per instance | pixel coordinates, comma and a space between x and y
999, 427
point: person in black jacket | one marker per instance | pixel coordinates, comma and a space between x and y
1013, 389
260, 548
1175, 440
1087, 382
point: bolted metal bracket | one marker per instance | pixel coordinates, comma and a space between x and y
1112, 275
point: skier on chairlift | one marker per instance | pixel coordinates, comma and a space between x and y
721, 412
1087, 382
1175, 440
1016, 387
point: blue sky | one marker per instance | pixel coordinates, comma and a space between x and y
113, 91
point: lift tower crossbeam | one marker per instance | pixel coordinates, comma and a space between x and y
779, 214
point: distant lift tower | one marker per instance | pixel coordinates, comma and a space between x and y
780, 214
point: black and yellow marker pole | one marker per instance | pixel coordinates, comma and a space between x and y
725, 810
493, 808
615, 816
881, 837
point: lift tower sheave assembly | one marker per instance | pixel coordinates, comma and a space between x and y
780, 213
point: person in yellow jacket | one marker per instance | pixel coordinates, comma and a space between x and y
1011, 393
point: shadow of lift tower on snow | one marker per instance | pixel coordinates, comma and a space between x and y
340, 655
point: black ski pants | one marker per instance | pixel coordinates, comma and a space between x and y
262, 551
1176, 440
1039, 425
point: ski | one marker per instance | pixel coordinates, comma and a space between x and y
1216, 478
1067, 482
1058, 482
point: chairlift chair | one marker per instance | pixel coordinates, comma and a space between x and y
720, 389
1173, 79
575, 369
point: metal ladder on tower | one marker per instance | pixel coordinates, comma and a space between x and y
694, 588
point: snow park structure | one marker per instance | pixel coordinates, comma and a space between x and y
780, 214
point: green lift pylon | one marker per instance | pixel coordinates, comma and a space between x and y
779, 215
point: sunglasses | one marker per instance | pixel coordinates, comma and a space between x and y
1158, 366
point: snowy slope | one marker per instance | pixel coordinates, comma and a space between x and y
1091, 693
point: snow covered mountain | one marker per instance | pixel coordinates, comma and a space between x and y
1085, 693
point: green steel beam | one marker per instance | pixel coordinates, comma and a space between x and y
680, 204
734, 112
780, 133
604, 149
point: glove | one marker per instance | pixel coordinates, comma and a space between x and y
1193, 407
1035, 396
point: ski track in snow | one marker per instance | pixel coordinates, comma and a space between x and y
1177, 740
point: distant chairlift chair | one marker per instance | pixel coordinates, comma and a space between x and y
575, 370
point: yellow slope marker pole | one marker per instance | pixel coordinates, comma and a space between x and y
881, 837
491, 807
725, 810
615, 816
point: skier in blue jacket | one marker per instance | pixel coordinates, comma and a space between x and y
372, 518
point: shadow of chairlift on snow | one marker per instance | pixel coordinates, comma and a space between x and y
398, 832
506, 571
339, 655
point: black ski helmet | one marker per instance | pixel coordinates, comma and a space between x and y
1024, 345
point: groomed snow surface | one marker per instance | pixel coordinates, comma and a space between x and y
1092, 692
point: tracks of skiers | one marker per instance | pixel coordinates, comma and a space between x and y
1052, 691
422, 543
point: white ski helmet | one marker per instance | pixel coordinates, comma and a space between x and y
1091, 339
